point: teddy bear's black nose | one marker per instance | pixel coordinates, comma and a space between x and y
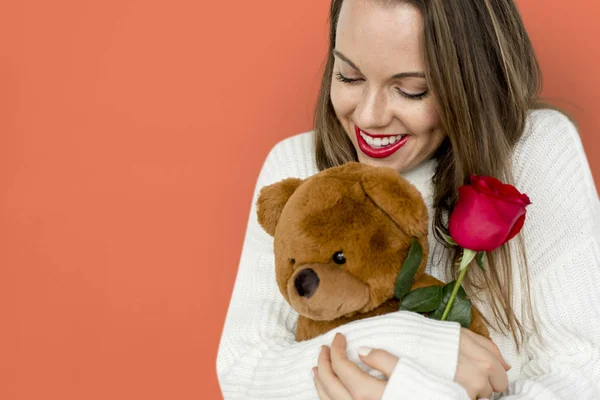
306, 283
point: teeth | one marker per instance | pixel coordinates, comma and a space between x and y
379, 142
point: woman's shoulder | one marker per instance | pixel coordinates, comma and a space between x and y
548, 133
546, 124
293, 157
549, 160
296, 142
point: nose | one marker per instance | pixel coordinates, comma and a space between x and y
306, 283
372, 111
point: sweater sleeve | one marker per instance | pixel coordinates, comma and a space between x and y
258, 357
410, 380
562, 239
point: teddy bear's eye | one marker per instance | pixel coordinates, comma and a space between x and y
339, 258
293, 260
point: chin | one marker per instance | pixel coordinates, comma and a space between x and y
392, 162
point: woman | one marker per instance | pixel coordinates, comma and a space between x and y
437, 90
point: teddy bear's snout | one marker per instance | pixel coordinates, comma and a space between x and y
323, 292
306, 283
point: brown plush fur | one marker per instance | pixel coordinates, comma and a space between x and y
371, 215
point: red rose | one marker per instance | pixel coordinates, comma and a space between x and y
488, 214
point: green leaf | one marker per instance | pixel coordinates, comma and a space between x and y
480, 260
406, 276
447, 238
461, 308
467, 257
423, 299
461, 312
446, 292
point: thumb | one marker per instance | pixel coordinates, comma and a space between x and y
378, 359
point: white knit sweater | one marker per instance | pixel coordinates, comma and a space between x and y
258, 357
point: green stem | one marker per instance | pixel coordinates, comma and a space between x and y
454, 292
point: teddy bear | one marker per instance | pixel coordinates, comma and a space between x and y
340, 238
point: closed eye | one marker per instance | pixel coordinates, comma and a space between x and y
354, 81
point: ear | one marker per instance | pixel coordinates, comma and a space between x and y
272, 199
398, 198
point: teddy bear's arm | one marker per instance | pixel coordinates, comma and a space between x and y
307, 329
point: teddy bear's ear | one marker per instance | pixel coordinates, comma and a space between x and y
398, 198
272, 199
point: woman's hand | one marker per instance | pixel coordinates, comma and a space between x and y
481, 369
338, 378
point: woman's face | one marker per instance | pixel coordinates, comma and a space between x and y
378, 91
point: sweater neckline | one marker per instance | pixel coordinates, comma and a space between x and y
421, 177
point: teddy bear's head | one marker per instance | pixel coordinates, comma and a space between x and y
341, 236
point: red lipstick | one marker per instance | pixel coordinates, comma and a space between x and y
382, 152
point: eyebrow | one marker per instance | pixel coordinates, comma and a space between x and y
395, 76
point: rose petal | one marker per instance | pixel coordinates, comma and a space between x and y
491, 185
514, 217
516, 227
487, 183
507, 209
522, 199
480, 185
510, 193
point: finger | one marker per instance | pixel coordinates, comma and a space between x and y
352, 377
486, 393
330, 383
378, 359
498, 378
319, 386
479, 392
490, 346
475, 396
496, 375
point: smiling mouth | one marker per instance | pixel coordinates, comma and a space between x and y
379, 146
379, 141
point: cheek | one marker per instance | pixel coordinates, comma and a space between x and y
425, 122
340, 100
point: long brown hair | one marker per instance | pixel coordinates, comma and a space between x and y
482, 69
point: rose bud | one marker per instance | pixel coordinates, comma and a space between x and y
488, 214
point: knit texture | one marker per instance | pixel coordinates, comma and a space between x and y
258, 357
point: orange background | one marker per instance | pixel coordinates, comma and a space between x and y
132, 133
